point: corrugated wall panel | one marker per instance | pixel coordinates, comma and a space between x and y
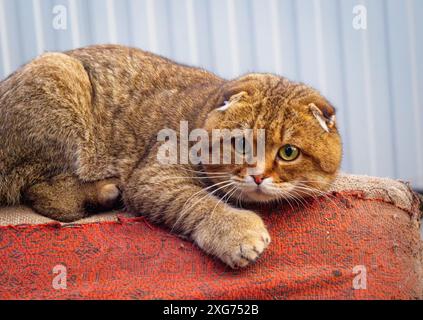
405, 111
374, 77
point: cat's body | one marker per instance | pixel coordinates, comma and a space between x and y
75, 124
101, 106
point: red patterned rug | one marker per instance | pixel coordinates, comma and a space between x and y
343, 248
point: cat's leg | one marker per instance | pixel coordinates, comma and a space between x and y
66, 198
235, 236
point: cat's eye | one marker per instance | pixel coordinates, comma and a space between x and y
289, 152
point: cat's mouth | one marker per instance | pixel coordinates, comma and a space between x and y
260, 194
266, 191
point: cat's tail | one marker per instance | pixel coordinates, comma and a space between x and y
11, 185
14, 180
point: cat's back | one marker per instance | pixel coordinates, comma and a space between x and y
127, 67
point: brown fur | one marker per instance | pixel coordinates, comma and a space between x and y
74, 125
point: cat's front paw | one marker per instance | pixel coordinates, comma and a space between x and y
238, 238
245, 249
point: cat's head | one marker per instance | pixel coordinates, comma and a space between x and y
303, 148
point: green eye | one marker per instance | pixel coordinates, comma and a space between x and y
289, 152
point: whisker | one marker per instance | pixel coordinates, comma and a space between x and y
186, 210
203, 172
221, 199
287, 200
319, 193
181, 177
296, 198
207, 188
203, 189
299, 197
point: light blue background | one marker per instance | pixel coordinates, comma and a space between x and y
374, 77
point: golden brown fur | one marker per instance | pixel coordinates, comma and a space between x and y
74, 125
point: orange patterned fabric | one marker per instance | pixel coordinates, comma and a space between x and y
316, 252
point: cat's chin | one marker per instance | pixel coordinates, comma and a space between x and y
258, 196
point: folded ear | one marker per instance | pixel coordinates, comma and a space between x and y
325, 115
232, 100
236, 90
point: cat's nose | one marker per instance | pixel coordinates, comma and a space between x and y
258, 179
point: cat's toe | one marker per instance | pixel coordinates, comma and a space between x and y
238, 238
249, 249
251, 253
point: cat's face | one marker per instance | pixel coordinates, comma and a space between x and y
302, 146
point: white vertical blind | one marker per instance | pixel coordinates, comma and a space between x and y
374, 77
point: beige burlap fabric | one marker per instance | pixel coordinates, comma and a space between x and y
396, 192
24, 215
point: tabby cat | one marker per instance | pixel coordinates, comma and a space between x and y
79, 129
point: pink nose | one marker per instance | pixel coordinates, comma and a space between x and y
258, 179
